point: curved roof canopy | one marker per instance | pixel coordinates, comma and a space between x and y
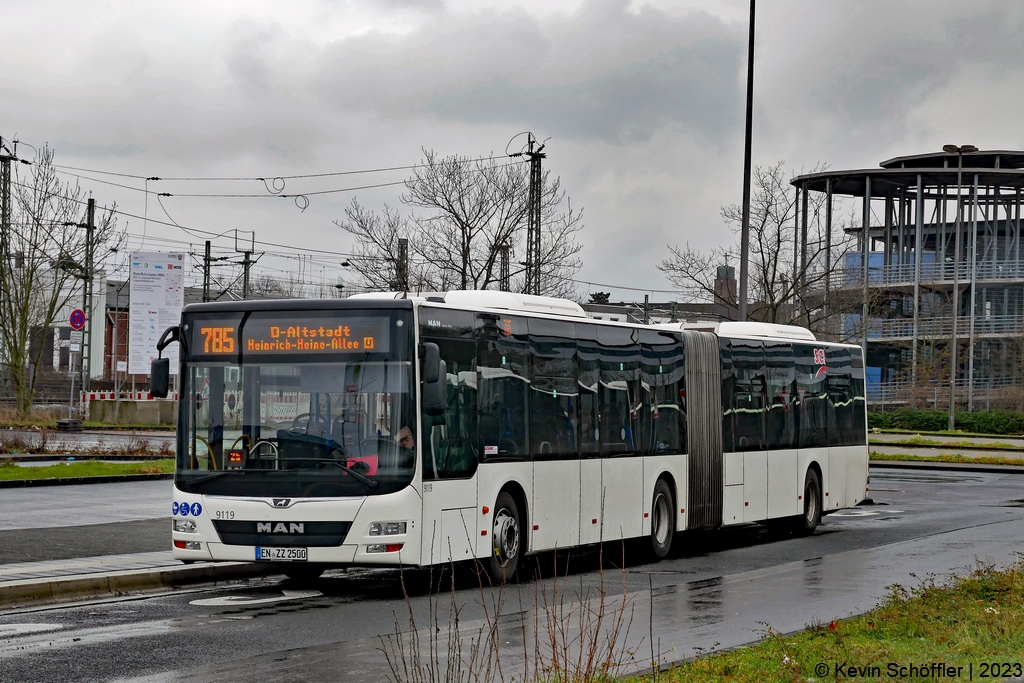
993, 167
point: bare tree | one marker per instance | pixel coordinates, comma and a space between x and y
466, 213
375, 257
42, 265
784, 286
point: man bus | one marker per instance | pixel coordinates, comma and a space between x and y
393, 430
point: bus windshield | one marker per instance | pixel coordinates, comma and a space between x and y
286, 404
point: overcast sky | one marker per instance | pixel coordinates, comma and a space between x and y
642, 102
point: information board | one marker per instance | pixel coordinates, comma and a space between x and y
157, 295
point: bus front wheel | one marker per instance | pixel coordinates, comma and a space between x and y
506, 539
663, 520
808, 521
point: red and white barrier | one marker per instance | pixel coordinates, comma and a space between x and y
87, 396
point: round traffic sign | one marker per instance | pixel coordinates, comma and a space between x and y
77, 319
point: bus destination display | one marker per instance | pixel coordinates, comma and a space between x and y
289, 335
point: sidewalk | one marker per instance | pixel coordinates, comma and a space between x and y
28, 583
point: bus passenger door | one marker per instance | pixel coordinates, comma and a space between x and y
450, 462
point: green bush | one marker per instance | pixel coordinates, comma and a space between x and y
983, 422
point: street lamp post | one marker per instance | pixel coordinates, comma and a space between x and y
745, 224
959, 151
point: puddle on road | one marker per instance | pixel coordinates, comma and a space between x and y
246, 601
9, 630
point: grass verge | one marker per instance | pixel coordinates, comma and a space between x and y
950, 457
918, 440
11, 471
943, 432
972, 621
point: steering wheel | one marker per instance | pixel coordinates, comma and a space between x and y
300, 425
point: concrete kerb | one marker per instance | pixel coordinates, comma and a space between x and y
81, 587
65, 481
947, 466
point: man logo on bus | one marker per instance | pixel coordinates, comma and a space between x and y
280, 528
282, 502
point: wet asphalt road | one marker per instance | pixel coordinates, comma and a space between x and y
64, 522
717, 591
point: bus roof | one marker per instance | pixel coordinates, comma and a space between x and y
511, 301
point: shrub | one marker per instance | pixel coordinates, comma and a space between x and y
981, 422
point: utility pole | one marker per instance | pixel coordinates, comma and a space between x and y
206, 273
5, 198
87, 287
402, 266
532, 285
245, 275
647, 309
503, 274
745, 227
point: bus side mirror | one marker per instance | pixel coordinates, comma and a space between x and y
160, 367
159, 377
434, 372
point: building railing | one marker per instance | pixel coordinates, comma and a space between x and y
934, 328
905, 274
937, 393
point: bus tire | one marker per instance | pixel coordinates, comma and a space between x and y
663, 520
808, 521
506, 539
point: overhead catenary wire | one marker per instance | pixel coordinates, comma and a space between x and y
295, 252
271, 176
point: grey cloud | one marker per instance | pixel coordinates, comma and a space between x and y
602, 73
83, 150
882, 58
691, 87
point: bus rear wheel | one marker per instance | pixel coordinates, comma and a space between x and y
808, 521
663, 520
506, 539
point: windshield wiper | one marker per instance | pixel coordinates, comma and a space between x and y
214, 475
370, 483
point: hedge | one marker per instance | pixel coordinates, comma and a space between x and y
984, 422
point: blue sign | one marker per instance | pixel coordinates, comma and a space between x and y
183, 510
197, 509
77, 319
174, 508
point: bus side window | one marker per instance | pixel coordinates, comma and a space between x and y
859, 435
663, 383
449, 451
589, 379
728, 388
812, 395
554, 397
749, 393
502, 389
619, 396
842, 408
780, 422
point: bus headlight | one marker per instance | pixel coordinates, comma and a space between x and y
185, 526
387, 528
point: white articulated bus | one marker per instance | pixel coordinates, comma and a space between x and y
394, 430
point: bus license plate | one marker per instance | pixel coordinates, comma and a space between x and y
281, 554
